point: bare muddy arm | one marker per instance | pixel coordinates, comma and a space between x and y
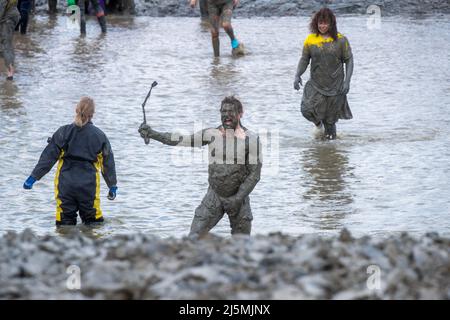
301, 67
173, 139
347, 58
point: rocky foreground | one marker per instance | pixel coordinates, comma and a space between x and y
264, 8
259, 267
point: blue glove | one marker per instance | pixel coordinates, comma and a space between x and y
112, 193
28, 184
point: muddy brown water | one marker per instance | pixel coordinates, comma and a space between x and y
389, 170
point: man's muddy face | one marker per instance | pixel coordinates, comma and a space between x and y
324, 27
230, 116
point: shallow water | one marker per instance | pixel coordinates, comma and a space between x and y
388, 171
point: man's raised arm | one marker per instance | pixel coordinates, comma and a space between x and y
174, 139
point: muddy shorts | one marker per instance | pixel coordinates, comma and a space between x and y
211, 211
317, 107
222, 8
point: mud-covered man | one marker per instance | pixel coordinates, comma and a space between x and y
9, 17
221, 11
235, 162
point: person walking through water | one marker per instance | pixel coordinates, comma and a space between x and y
221, 11
204, 10
9, 17
99, 13
82, 151
235, 161
324, 99
24, 7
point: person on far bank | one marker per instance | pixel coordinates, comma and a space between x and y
83, 152
324, 99
222, 11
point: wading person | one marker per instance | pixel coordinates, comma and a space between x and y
82, 151
204, 9
234, 169
9, 17
98, 10
24, 7
324, 99
52, 6
220, 12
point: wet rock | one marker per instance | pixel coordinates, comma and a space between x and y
314, 286
289, 292
345, 236
353, 295
274, 266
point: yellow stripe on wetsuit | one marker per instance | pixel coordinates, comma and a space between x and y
58, 172
98, 167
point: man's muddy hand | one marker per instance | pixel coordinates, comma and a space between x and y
232, 204
145, 130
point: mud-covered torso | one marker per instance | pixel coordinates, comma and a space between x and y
327, 62
228, 161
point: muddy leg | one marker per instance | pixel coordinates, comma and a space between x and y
214, 20
207, 215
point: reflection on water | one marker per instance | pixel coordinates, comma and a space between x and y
223, 74
88, 231
8, 92
326, 168
87, 53
387, 172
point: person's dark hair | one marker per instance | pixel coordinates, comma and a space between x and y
232, 100
324, 14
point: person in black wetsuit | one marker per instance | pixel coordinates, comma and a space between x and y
82, 151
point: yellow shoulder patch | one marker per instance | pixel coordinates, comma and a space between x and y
317, 40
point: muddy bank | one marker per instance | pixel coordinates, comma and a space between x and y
265, 8
259, 267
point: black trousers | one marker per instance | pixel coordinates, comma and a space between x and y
77, 190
